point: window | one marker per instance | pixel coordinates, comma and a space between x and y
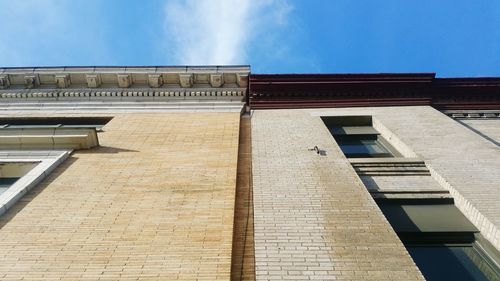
453, 262
441, 241
357, 138
10, 172
5, 183
31, 147
362, 146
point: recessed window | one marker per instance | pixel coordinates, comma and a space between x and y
5, 183
440, 239
362, 146
39, 144
21, 170
453, 262
10, 172
357, 138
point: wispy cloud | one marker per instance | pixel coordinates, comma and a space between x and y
219, 32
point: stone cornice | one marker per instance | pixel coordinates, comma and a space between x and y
143, 94
217, 88
113, 99
174, 77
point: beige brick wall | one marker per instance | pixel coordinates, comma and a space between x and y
154, 202
489, 129
460, 160
313, 218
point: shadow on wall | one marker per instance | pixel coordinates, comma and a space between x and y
105, 150
480, 134
33, 193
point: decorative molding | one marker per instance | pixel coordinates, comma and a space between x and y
145, 94
216, 80
242, 79
4, 81
208, 99
93, 80
124, 80
155, 80
125, 77
186, 80
62, 80
473, 114
31, 81
129, 89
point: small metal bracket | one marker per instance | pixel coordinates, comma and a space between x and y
318, 151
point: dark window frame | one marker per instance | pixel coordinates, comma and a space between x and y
358, 133
419, 240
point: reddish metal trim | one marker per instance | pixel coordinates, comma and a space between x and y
343, 77
348, 90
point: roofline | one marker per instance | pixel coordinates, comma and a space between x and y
120, 69
344, 76
123, 77
380, 89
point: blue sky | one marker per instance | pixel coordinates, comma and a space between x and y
454, 38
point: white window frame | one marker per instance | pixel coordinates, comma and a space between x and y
46, 161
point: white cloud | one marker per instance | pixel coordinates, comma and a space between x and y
219, 32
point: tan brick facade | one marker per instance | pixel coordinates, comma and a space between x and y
154, 202
488, 129
314, 219
459, 159
206, 196
199, 176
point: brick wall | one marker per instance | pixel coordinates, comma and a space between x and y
459, 159
155, 201
488, 129
313, 218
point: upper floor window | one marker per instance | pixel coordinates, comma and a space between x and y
31, 147
441, 240
10, 172
357, 138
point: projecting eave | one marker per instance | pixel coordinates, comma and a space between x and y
383, 89
124, 77
191, 88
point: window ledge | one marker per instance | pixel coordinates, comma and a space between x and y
386, 160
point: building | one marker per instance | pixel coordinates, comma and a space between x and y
213, 173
